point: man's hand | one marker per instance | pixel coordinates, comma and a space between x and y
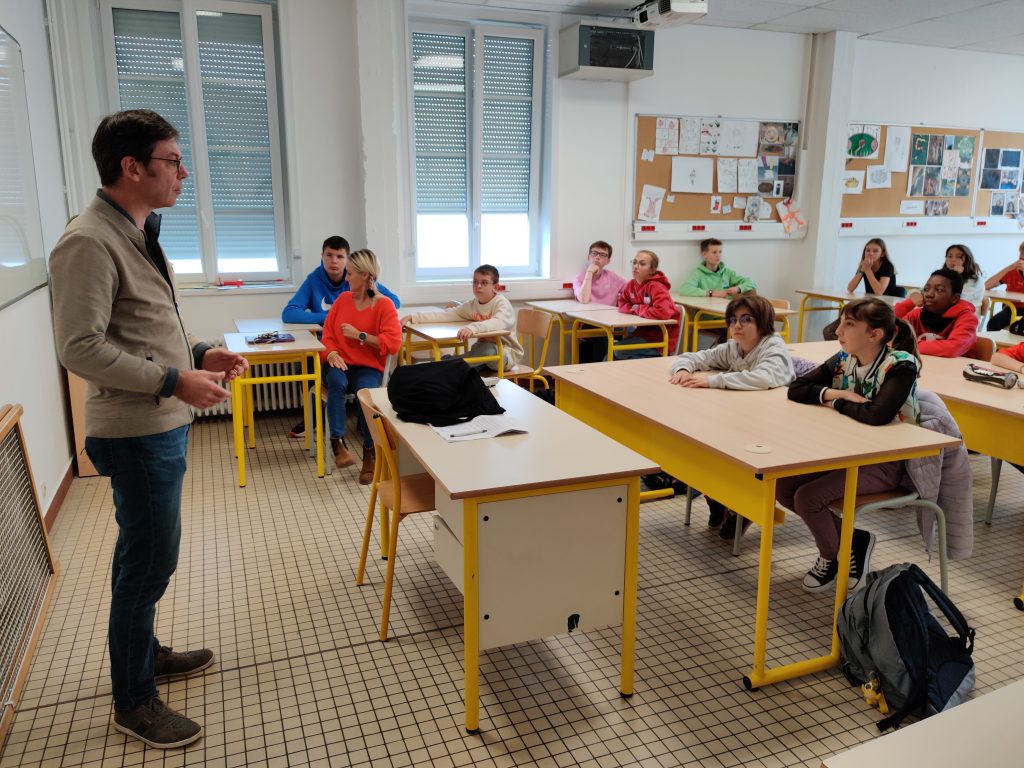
465, 334
593, 269
220, 360
201, 389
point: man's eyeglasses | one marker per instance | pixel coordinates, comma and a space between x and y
742, 320
481, 283
175, 160
602, 254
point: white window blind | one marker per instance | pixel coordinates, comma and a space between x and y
476, 123
210, 73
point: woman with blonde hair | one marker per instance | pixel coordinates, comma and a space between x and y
361, 330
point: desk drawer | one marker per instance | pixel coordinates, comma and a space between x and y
448, 551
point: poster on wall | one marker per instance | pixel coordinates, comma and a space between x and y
689, 136
693, 174
863, 141
897, 148
778, 139
666, 136
1001, 169
738, 138
940, 165
710, 133
650, 203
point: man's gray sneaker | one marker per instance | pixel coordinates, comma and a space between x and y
169, 664
159, 726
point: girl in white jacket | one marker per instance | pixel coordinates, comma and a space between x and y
753, 358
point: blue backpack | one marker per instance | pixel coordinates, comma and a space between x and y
889, 638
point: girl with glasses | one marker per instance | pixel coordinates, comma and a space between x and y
755, 357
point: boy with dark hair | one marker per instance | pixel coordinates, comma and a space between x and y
945, 324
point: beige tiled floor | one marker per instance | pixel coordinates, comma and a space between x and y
266, 578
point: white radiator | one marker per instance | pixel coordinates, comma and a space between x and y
281, 396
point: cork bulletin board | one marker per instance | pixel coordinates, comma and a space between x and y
1001, 157
885, 202
656, 170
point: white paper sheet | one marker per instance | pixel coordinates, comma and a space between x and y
727, 174
480, 428
666, 136
851, 182
746, 172
650, 203
897, 148
739, 203
877, 177
950, 164
689, 136
911, 207
647, 155
693, 174
716, 204
710, 134
738, 137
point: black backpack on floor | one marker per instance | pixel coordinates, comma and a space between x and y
888, 634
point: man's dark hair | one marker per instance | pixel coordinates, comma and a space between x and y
706, 244
337, 243
956, 283
487, 269
131, 133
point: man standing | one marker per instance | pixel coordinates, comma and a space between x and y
117, 326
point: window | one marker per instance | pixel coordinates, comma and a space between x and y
210, 72
476, 94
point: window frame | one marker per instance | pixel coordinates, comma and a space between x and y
200, 170
474, 32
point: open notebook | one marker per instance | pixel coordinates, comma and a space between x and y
480, 428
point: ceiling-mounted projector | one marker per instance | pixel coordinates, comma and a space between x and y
668, 13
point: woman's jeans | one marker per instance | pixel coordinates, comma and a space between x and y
146, 475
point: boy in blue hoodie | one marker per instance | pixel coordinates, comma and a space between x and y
318, 291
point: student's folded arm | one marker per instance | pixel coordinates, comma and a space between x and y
807, 389
770, 372
887, 402
504, 318
745, 284
692, 286
904, 308
702, 360
662, 307
300, 308
443, 316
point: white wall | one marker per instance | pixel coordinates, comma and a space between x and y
918, 85
31, 374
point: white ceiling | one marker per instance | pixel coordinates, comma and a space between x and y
979, 25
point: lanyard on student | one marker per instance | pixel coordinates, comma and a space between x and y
858, 385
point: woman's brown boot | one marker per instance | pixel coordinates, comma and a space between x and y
342, 456
369, 459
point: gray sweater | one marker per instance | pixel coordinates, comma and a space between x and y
767, 366
116, 324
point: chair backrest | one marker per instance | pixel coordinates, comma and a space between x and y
536, 323
779, 303
983, 349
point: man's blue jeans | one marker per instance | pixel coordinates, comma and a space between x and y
339, 384
146, 475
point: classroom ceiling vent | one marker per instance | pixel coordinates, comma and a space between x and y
668, 13
589, 52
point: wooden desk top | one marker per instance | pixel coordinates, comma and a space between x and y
715, 305
264, 324
840, 295
612, 318
557, 450
941, 375
304, 342
449, 331
1008, 295
735, 424
1002, 338
981, 732
568, 305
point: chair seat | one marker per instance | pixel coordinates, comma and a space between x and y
894, 499
519, 370
417, 494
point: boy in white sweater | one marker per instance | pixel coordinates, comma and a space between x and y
487, 311
753, 358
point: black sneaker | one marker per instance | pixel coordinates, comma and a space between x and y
169, 664
299, 430
716, 513
728, 529
822, 575
156, 724
860, 558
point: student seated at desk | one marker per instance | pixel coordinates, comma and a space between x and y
960, 259
873, 380
712, 278
1012, 276
599, 285
876, 271
945, 325
320, 290
488, 310
754, 358
360, 331
647, 295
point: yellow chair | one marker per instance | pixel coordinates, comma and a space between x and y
403, 495
533, 326
782, 304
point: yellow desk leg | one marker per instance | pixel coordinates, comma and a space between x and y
664, 341
800, 321
561, 338
575, 341
471, 616
630, 586
436, 350
250, 411
764, 580
501, 358
611, 343
238, 408
318, 415
1019, 601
